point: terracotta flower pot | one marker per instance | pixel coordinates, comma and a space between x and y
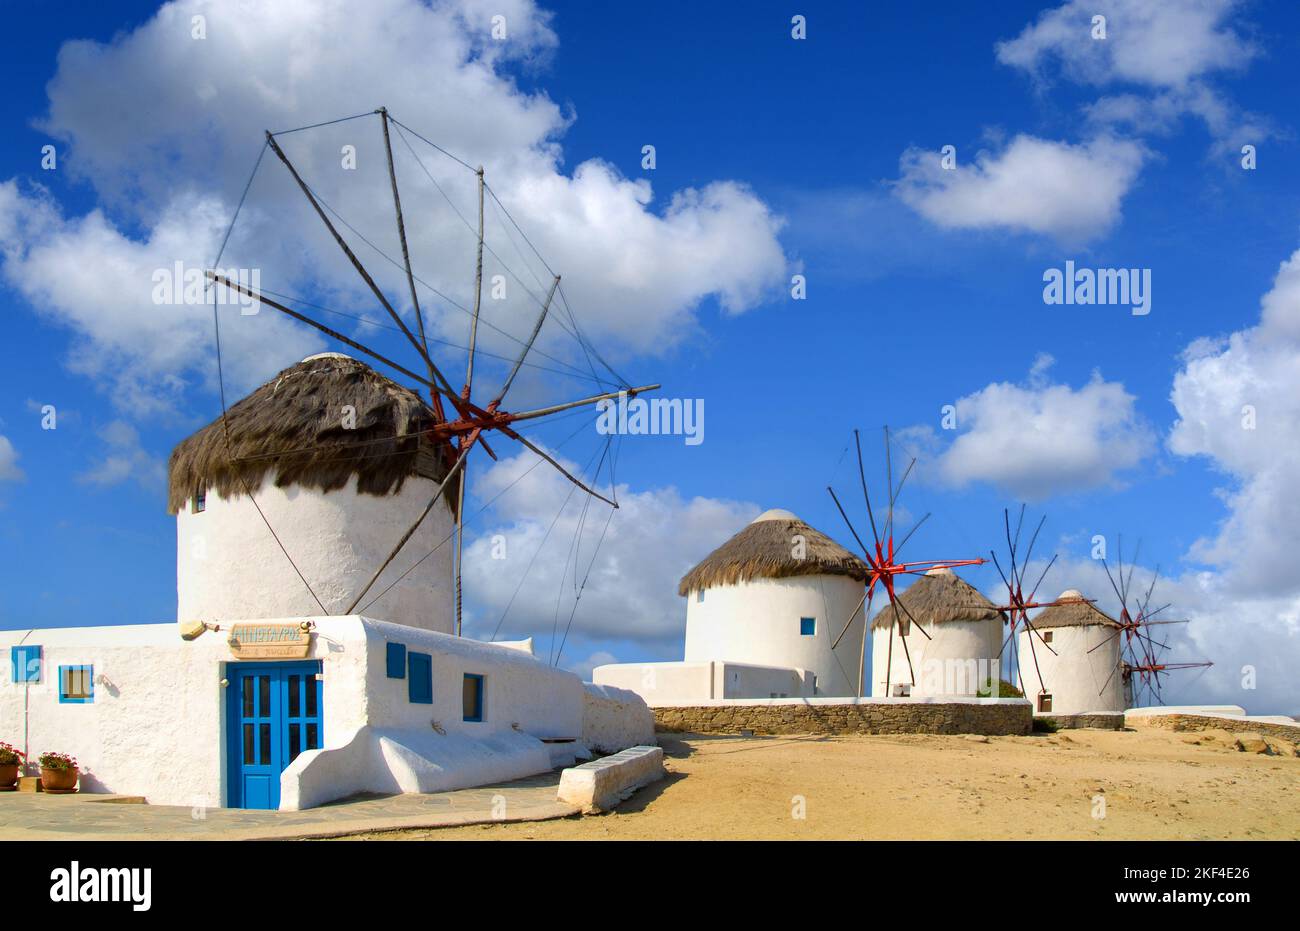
58, 778
8, 774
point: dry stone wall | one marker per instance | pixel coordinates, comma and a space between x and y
824, 718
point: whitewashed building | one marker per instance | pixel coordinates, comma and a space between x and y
959, 658
265, 693
762, 613
1082, 672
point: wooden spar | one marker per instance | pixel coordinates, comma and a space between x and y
849, 623
478, 290
862, 647
334, 334
527, 346
460, 463
471, 409
434, 397
556, 408
465, 393
591, 491
347, 250
460, 546
889, 663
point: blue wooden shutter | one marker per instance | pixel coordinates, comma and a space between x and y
419, 685
397, 661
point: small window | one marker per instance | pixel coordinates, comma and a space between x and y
902, 690
27, 663
473, 697
808, 626
76, 684
699, 596
1047, 636
199, 503
904, 627
419, 682
1045, 702
396, 660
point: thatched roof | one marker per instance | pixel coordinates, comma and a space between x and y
1073, 611
765, 550
939, 597
293, 427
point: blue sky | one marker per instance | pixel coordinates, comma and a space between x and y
923, 289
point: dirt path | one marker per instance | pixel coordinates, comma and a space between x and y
1156, 784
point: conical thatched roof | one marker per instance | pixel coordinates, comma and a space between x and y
1073, 612
765, 550
939, 597
293, 426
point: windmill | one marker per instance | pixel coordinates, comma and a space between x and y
461, 422
1140, 663
881, 557
1018, 605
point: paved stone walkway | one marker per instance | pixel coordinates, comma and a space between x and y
37, 816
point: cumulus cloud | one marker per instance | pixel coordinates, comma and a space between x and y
1167, 44
1238, 404
630, 594
1167, 51
86, 274
167, 175
9, 471
124, 459
1070, 192
1038, 438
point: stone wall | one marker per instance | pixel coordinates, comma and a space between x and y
1205, 722
898, 717
1105, 722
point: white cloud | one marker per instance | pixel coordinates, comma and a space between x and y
124, 458
1168, 51
1166, 44
1238, 403
635, 274
1038, 439
89, 276
1070, 192
654, 538
9, 471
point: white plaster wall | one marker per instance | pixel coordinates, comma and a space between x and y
686, 683
229, 566
156, 726
614, 719
1074, 676
955, 662
757, 623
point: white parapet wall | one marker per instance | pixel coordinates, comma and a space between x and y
614, 719
157, 723
686, 683
602, 784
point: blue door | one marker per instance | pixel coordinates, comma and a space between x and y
274, 713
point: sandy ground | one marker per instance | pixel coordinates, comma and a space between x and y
1156, 784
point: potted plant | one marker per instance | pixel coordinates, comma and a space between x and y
11, 762
58, 771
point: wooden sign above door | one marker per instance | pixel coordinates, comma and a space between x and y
269, 641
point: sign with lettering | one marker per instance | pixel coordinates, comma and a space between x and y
269, 641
